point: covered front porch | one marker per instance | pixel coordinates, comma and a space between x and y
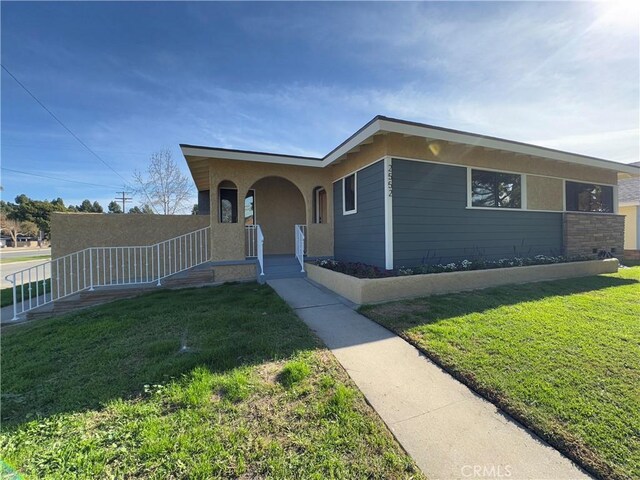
268, 212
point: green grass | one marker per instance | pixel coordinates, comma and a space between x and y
30, 258
220, 382
563, 357
6, 294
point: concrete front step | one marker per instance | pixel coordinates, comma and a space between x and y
289, 274
282, 266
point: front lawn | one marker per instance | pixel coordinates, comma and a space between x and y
198, 383
563, 357
26, 258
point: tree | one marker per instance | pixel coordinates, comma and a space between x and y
164, 186
194, 210
114, 207
146, 209
15, 227
87, 207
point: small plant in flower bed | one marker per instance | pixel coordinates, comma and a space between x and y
355, 269
362, 270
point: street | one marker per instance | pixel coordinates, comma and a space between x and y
9, 252
9, 268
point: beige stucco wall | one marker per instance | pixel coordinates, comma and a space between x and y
362, 291
366, 155
71, 232
630, 227
234, 273
279, 207
544, 193
228, 239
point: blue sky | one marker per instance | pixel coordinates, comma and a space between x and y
131, 78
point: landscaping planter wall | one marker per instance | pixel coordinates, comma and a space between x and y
374, 290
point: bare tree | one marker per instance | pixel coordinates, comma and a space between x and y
165, 188
16, 227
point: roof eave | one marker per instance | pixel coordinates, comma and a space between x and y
380, 124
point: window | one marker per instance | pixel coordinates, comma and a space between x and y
349, 194
319, 205
250, 208
588, 197
228, 205
496, 189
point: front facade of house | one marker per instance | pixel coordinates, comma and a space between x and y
399, 193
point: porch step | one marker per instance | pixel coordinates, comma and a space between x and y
84, 300
199, 276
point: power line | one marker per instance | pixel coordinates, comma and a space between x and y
61, 123
56, 178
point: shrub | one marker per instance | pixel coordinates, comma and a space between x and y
362, 270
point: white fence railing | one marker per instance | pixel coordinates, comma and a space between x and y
260, 248
300, 237
251, 241
105, 267
254, 244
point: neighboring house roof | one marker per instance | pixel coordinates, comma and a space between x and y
382, 124
629, 189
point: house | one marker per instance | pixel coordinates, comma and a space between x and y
629, 206
394, 194
399, 193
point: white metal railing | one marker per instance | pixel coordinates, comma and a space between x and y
260, 248
251, 241
300, 236
105, 267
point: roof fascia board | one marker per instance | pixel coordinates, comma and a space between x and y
249, 157
496, 144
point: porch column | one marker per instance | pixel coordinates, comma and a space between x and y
227, 239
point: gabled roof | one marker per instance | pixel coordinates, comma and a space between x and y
381, 124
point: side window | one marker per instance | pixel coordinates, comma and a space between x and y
349, 194
228, 205
588, 197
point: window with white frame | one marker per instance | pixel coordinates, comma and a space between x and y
349, 194
496, 189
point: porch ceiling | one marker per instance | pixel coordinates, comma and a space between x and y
199, 168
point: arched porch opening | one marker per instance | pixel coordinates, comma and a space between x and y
278, 206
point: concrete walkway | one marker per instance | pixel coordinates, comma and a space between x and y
449, 431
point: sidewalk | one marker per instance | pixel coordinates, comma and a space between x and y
449, 431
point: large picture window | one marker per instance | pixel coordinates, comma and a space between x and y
349, 194
589, 197
496, 189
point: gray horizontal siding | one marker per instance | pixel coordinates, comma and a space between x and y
431, 223
360, 237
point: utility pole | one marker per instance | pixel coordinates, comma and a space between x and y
123, 199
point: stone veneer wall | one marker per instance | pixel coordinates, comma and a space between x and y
584, 232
